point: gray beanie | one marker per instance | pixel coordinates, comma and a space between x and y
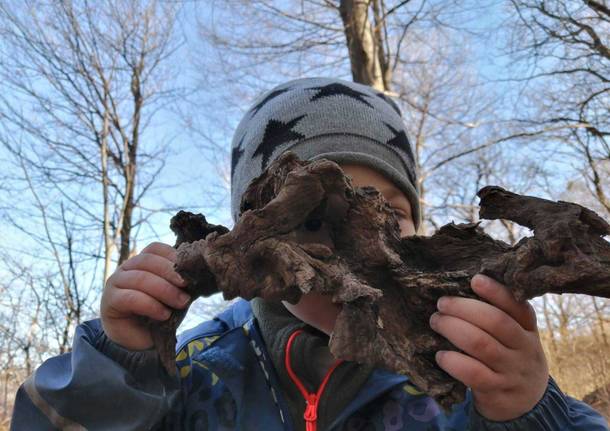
327, 118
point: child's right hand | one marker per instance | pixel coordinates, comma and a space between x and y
144, 285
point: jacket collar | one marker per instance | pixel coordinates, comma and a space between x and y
237, 314
380, 381
235, 356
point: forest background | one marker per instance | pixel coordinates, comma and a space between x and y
114, 114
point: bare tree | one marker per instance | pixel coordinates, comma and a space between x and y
563, 52
21, 332
81, 82
82, 85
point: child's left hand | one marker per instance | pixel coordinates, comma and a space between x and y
504, 364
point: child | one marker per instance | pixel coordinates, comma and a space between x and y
266, 366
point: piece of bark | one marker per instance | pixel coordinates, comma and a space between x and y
188, 227
305, 228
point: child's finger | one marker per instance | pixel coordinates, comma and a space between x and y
134, 302
489, 318
155, 264
152, 285
161, 249
499, 295
472, 340
468, 370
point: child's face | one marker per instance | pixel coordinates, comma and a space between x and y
318, 310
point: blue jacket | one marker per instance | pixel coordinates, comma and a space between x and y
226, 381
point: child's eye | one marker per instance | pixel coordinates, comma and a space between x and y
315, 231
313, 225
399, 212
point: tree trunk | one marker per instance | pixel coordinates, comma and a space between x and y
125, 232
131, 167
364, 43
107, 230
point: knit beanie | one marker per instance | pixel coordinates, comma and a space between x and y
327, 118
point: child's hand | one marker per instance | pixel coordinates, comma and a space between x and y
504, 364
144, 285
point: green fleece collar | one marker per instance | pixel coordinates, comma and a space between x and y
310, 359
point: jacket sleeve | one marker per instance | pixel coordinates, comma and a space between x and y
555, 411
99, 385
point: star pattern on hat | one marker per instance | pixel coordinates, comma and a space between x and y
276, 134
390, 102
270, 96
339, 89
400, 141
236, 155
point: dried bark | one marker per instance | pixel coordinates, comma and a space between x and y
304, 228
188, 228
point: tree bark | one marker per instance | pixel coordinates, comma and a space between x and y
305, 228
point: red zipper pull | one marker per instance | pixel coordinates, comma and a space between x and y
311, 412
312, 400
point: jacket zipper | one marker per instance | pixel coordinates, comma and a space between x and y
312, 399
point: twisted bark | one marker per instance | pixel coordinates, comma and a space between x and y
305, 228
